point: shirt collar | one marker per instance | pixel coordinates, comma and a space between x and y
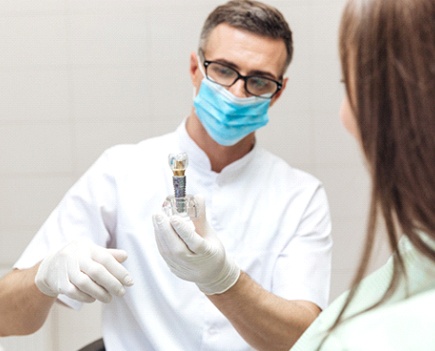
199, 160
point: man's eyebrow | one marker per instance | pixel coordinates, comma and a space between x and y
250, 73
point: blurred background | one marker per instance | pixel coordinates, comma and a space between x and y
77, 76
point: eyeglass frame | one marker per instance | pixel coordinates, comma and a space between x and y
206, 63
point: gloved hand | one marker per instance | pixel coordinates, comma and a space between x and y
85, 272
197, 256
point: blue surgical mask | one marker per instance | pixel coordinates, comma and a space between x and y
226, 117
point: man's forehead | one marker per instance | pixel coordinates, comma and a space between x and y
246, 50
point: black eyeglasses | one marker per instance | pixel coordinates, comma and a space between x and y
226, 76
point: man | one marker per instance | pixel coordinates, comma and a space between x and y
270, 222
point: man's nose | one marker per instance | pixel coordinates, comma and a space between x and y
238, 89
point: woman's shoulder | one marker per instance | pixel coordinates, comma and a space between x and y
405, 325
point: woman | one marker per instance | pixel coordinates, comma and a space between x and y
387, 50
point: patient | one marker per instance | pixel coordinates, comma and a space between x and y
387, 50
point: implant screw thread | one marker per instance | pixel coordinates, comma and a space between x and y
180, 193
178, 164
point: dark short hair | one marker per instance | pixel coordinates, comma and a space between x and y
252, 16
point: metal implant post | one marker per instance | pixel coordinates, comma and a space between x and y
178, 164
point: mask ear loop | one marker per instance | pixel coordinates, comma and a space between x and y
200, 66
201, 69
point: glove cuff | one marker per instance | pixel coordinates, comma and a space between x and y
225, 280
40, 282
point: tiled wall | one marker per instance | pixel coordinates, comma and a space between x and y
77, 76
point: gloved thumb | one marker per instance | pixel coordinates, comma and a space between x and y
119, 255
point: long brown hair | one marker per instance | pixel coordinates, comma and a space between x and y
387, 52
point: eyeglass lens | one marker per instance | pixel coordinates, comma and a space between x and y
227, 76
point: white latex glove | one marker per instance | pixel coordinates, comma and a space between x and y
85, 272
199, 256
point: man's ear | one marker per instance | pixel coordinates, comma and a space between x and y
195, 73
278, 94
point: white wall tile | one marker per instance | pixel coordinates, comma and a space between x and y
283, 4
347, 189
36, 148
324, 23
34, 95
348, 235
165, 124
90, 144
33, 40
76, 329
349, 238
298, 92
174, 34
13, 242
27, 7
289, 135
298, 96
333, 145
112, 93
325, 87
112, 39
26, 201
340, 282
106, 6
172, 94
299, 17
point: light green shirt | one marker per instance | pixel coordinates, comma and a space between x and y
406, 322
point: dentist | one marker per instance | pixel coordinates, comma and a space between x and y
260, 273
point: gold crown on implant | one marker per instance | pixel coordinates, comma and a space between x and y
178, 163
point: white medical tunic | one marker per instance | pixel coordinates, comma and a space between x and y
273, 219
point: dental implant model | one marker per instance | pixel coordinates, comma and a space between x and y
179, 203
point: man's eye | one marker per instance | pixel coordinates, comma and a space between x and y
259, 83
224, 71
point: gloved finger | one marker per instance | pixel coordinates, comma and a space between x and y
120, 255
160, 229
101, 282
82, 285
75, 294
167, 239
67, 288
200, 222
193, 240
108, 259
161, 243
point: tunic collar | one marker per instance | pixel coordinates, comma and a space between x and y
200, 161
